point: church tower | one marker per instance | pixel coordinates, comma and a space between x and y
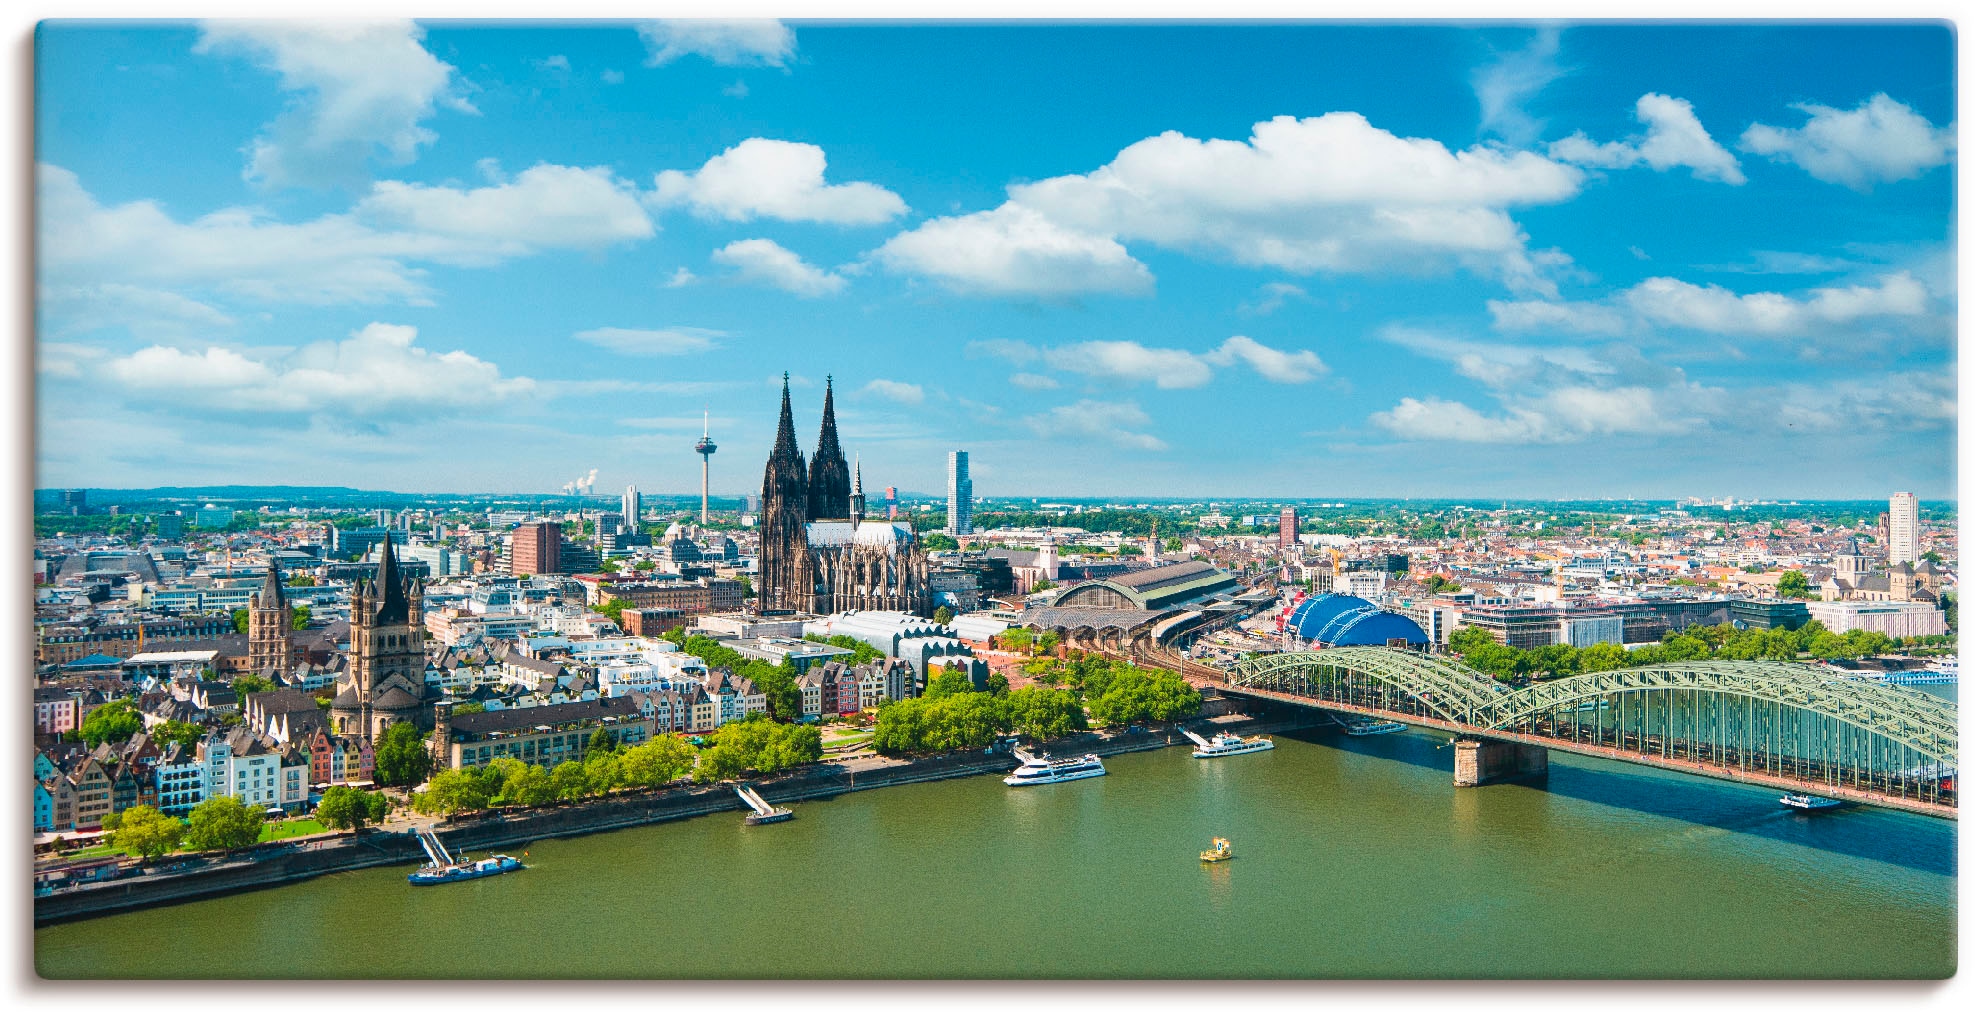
269, 653
831, 484
783, 561
387, 671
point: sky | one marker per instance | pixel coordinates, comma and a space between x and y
1106, 260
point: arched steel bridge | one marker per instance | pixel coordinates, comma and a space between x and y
1767, 722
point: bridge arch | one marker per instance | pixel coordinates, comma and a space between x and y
1913, 720
1443, 688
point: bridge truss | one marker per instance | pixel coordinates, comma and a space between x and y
1767, 718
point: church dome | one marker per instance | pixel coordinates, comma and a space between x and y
673, 532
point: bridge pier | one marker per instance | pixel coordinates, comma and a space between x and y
1484, 761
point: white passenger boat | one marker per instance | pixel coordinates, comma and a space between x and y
1809, 802
1047, 770
1359, 726
1227, 743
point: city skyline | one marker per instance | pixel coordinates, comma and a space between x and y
1549, 262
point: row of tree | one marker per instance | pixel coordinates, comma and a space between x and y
221, 823
1695, 643
950, 714
754, 744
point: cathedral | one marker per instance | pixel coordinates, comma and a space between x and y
818, 555
386, 682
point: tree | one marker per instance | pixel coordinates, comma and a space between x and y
401, 757
945, 615
1794, 583
302, 580
471, 706
299, 617
614, 609
145, 832
1043, 714
937, 541
604, 771
528, 786
657, 763
185, 735
748, 588
569, 782
451, 792
240, 617
223, 823
247, 685
1172, 544
114, 721
947, 683
601, 741
349, 808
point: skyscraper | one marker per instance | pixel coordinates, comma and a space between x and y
1904, 528
1288, 526
962, 493
629, 508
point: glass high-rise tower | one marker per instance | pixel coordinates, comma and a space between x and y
962, 494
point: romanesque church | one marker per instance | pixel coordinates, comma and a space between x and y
818, 554
386, 682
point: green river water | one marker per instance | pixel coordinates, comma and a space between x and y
1355, 858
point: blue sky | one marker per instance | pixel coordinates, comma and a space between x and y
1107, 260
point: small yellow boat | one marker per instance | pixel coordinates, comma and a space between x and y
1220, 850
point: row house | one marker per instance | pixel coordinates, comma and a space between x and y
688, 710
336, 760
735, 697
56, 710
260, 773
181, 778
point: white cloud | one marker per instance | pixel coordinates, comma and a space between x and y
1881, 141
1014, 251
1711, 308
681, 278
1506, 84
1114, 422
730, 43
1663, 301
1563, 414
610, 76
1675, 138
765, 261
336, 258
327, 260
1278, 366
1167, 368
361, 89
1272, 296
63, 360
1499, 365
764, 178
1014, 352
546, 206
1534, 314
149, 313
1327, 193
377, 371
737, 90
669, 341
904, 393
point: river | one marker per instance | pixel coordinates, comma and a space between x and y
1355, 858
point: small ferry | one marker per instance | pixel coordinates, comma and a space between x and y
1220, 850
1359, 726
444, 867
1226, 743
1809, 802
1046, 770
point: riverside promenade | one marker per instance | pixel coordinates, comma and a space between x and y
275, 864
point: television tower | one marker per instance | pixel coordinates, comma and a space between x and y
706, 447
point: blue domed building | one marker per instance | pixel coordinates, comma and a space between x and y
1343, 620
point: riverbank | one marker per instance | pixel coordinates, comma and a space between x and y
271, 865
